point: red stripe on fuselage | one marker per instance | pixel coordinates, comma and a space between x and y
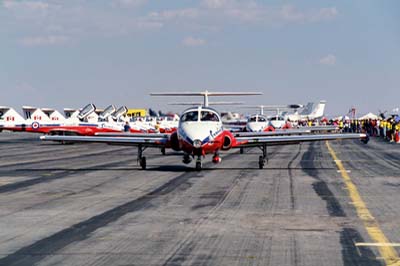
81, 130
209, 147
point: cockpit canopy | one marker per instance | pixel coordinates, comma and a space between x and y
257, 118
276, 118
204, 115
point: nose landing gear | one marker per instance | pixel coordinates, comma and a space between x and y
263, 158
199, 164
141, 159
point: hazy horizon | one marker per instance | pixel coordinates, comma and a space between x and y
69, 53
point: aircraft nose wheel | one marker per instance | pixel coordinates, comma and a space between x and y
261, 162
143, 163
141, 158
263, 158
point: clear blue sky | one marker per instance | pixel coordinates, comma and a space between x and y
68, 53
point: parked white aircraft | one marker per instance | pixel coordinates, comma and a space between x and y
259, 122
50, 121
201, 132
310, 112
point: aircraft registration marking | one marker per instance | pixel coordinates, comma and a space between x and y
387, 252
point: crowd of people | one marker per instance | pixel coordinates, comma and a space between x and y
387, 129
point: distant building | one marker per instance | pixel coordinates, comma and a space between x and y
136, 112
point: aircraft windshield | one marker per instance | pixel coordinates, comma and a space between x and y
192, 116
261, 119
253, 119
274, 118
209, 116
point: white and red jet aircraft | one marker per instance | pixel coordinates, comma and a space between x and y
83, 122
200, 132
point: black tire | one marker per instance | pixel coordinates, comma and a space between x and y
241, 150
143, 163
198, 166
163, 151
261, 162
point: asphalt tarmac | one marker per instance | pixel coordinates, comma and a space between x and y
91, 204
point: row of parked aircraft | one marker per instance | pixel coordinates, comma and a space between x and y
89, 120
86, 121
282, 119
201, 131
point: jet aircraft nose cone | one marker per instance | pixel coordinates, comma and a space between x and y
202, 132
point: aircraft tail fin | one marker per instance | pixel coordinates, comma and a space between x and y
53, 114
56, 116
35, 114
307, 110
8, 114
319, 109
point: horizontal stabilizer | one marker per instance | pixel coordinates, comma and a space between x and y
209, 103
205, 94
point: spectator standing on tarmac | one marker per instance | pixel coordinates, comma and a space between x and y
341, 125
127, 127
378, 128
384, 129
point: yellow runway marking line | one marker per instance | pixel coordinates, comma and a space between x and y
377, 244
387, 252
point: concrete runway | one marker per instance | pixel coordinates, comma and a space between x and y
92, 205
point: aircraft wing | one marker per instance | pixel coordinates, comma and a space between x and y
132, 141
278, 132
254, 141
135, 135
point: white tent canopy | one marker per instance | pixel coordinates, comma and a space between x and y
369, 116
345, 117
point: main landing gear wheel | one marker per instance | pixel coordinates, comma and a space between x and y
261, 162
198, 166
241, 150
143, 163
163, 151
